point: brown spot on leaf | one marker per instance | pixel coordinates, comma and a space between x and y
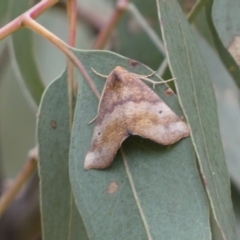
169, 92
53, 124
133, 63
112, 187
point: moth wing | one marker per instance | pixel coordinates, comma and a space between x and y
107, 139
128, 106
156, 121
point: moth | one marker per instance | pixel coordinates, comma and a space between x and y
129, 107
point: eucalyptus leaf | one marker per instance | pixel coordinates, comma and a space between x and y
156, 194
60, 218
196, 97
227, 96
226, 20
222, 21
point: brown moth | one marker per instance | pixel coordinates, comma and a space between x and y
129, 107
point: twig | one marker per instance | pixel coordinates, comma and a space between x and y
18, 182
26, 20
30, 23
93, 18
21, 220
106, 31
34, 12
72, 22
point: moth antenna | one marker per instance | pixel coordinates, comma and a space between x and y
157, 82
145, 76
99, 74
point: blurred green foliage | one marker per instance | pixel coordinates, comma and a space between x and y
18, 104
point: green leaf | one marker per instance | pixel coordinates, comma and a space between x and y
157, 192
24, 54
60, 218
226, 20
197, 100
223, 24
227, 96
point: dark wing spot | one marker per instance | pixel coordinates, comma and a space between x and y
133, 62
160, 111
53, 124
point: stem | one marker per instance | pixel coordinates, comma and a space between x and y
26, 20
89, 16
72, 21
106, 31
61, 45
18, 182
34, 12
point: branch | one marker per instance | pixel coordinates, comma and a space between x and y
106, 31
26, 19
30, 166
21, 221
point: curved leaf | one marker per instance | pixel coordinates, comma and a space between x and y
60, 218
223, 27
226, 20
228, 105
197, 99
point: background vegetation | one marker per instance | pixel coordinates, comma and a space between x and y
29, 63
